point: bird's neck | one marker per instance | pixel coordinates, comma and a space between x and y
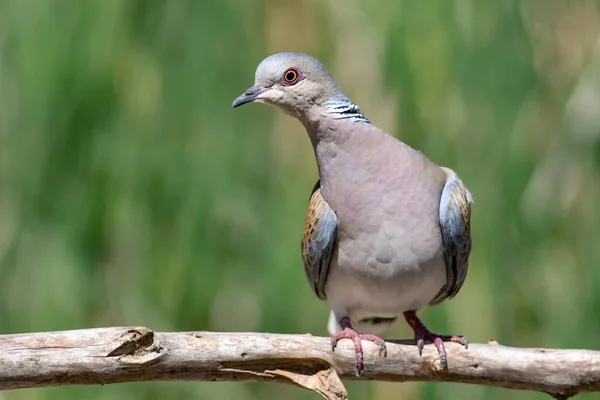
339, 133
325, 123
345, 109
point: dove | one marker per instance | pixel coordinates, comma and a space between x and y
387, 231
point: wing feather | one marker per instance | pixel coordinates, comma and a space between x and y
318, 240
455, 225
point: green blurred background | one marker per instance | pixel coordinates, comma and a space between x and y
131, 194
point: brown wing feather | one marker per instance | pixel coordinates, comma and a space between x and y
318, 240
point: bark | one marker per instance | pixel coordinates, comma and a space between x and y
133, 354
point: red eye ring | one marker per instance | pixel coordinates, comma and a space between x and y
290, 76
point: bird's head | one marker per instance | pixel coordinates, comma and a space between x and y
294, 82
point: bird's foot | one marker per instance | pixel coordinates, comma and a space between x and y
422, 334
350, 333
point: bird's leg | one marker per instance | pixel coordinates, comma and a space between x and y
349, 333
422, 334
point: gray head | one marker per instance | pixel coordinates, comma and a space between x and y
294, 82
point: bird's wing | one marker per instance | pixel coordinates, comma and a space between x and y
455, 224
318, 240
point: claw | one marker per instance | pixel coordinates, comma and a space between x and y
383, 350
360, 368
420, 345
444, 363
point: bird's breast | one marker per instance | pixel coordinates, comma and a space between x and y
389, 255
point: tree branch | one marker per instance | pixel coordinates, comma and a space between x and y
133, 354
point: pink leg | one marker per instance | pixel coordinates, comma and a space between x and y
422, 334
349, 333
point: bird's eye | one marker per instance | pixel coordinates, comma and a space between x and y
290, 76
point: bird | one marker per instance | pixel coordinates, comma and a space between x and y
387, 230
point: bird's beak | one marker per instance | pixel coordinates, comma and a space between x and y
248, 96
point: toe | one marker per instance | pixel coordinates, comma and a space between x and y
462, 340
456, 339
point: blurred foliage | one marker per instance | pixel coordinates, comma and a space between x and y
131, 194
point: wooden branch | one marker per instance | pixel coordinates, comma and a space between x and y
133, 354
